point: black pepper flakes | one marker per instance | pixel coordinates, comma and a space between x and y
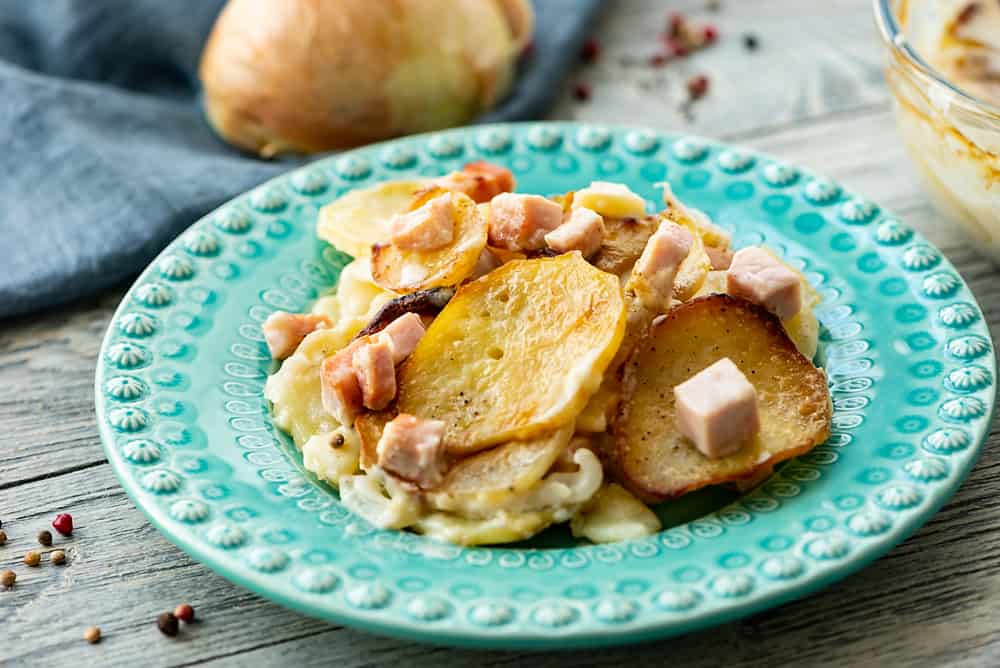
750, 42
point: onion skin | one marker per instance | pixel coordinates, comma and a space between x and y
304, 76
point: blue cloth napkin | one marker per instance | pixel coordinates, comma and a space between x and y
106, 154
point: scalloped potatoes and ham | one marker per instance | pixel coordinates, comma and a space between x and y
493, 362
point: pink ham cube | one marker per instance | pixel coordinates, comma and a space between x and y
583, 230
759, 277
403, 334
283, 331
412, 449
653, 276
717, 409
339, 386
376, 373
426, 228
520, 222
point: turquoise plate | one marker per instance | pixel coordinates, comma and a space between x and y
184, 423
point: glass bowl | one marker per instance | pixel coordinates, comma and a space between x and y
952, 136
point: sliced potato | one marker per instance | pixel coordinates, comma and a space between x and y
402, 270
515, 353
357, 294
614, 514
597, 414
802, 328
624, 239
489, 479
794, 402
354, 222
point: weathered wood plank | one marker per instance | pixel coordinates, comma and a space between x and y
47, 404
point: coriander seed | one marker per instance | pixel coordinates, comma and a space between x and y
92, 635
167, 623
32, 558
45, 538
3, 537
8, 578
58, 557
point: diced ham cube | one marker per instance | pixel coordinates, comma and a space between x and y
429, 227
339, 386
654, 272
614, 200
758, 276
403, 334
412, 449
720, 258
482, 181
582, 230
717, 409
283, 331
376, 373
520, 222
363, 375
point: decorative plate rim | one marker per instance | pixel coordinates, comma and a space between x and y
558, 621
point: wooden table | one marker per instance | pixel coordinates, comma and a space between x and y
814, 94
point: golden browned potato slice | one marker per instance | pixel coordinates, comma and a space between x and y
487, 479
624, 239
794, 401
515, 353
802, 328
354, 222
402, 270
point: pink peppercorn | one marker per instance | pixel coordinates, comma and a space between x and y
184, 612
697, 86
63, 523
710, 34
590, 51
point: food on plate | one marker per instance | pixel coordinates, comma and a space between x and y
614, 514
516, 352
355, 222
793, 400
434, 246
493, 363
312, 75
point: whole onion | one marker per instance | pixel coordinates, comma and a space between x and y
314, 75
